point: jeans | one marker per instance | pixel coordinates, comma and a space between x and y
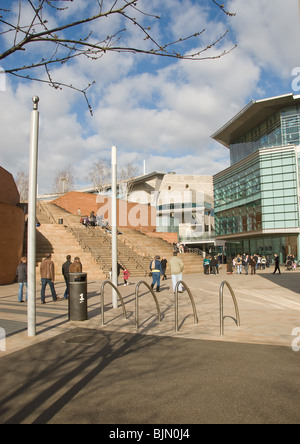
156, 279
176, 278
44, 285
20, 294
66, 295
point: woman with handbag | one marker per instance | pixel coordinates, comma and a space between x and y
157, 271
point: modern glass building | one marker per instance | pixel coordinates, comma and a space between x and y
257, 197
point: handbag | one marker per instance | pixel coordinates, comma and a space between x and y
152, 266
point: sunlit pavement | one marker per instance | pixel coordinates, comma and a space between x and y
81, 372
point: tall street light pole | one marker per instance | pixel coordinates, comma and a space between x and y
31, 246
114, 249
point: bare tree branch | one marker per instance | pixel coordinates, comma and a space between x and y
69, 39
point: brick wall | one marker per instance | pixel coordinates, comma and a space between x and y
75, 202
9, 193
11, 228
129, 214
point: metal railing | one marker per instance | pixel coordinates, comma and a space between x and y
137, 302
176, 304
77, 234
124, 255
237, 320
102, 299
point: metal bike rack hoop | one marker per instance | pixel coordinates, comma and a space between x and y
137, 302
102, 299
237, 313
176, 303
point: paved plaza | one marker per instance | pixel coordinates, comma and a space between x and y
83, 372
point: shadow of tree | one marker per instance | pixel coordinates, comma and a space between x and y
102, 377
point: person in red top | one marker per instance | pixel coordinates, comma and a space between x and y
126, 275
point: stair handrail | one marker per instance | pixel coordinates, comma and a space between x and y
133, 246
84, 245
46, 209
121, 254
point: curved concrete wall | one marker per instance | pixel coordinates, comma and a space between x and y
9, 193
11, 241
11, 228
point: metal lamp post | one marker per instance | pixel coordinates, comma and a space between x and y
114, 249
32, 194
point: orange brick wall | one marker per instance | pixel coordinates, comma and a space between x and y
11, 228
73, 201
168, 237
9, 193
11, 241
129, 215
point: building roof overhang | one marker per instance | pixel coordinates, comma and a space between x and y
251, 116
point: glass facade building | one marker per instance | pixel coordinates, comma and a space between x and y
257, 197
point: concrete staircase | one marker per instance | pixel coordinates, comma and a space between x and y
61, 233
94, 241
56, 240
150, 246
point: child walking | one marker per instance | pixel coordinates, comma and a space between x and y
126, 275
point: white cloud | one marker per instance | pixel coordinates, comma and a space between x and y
165, 114
269, 31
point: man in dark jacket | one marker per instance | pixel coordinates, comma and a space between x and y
65, 273
164, 267
276, 264
21, 274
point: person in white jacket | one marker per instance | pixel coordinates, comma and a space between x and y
176, 268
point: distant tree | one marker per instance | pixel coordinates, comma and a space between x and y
64, 180
100, 175
22, 183
128, 171
46, 33
126, 175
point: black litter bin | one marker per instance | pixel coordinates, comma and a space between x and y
78, 297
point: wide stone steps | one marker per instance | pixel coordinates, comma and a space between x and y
56, 240
93, 245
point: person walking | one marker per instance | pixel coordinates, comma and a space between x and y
239, 264
157, 271
164, 267
206, 265
214, 264
229, 265
246, 261
176, 269
21, 274
126, 275
76, 267
65, 272
277, 267
47, 271
252, 263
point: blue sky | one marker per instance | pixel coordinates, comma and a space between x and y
159, 110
